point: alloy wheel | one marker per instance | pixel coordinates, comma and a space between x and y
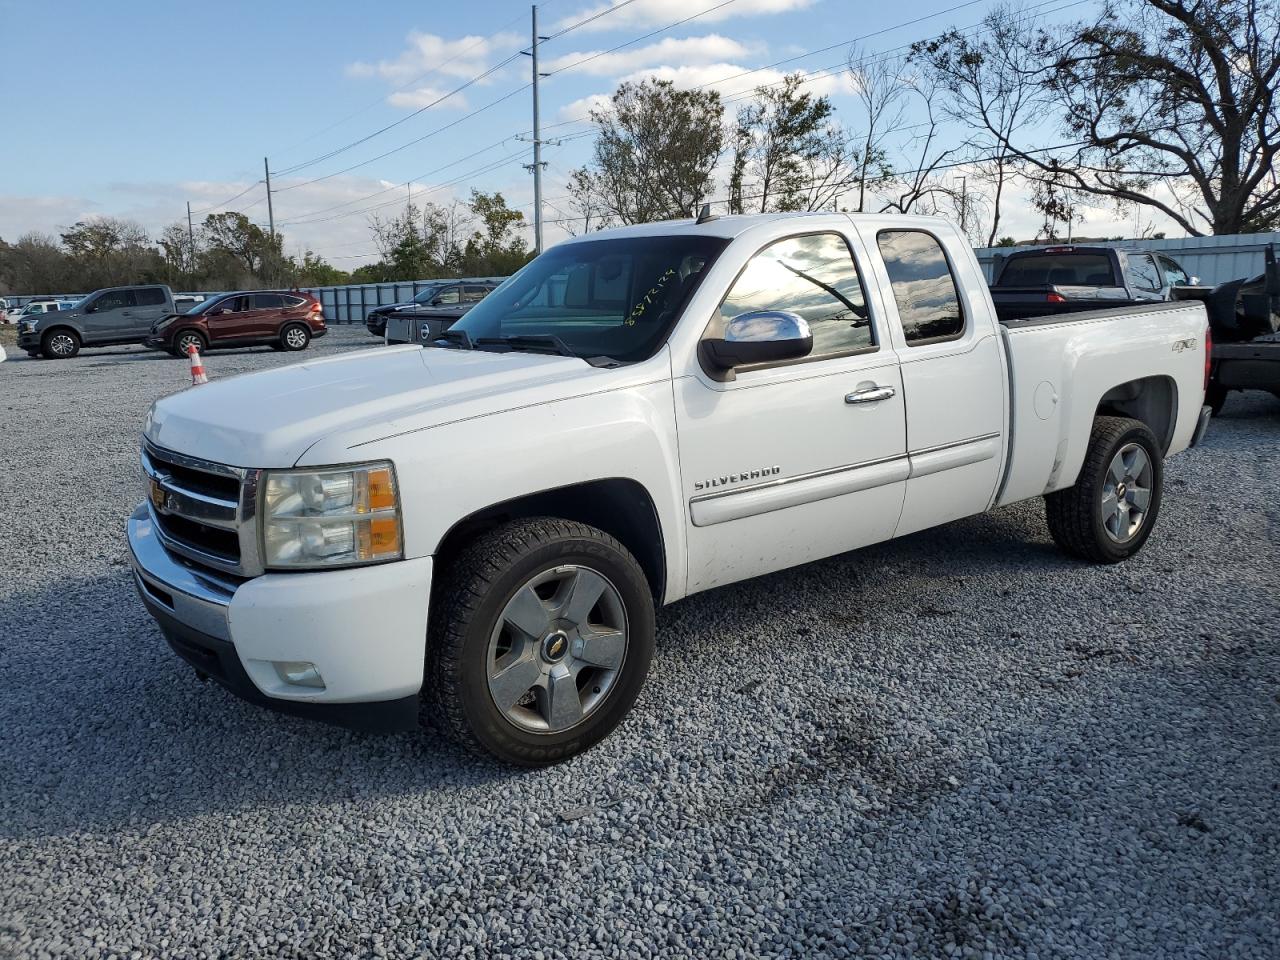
1126, 493
557, 649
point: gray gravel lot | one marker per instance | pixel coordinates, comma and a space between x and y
958, 744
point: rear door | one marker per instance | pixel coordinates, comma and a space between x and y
1144, 276
150, 304
953, 374
267, 317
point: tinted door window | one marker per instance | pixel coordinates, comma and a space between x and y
115, 300
474, 294
291, 303
150, 297
923, 287
1142, 268
448, 295
1176, 276
267, 301
813, 276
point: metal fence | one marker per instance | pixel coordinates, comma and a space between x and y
349, 304
1213, 259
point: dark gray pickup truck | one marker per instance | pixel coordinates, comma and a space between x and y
1054, 280
107, 317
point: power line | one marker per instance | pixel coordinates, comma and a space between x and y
476, 79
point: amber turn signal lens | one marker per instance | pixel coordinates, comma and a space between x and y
382, 491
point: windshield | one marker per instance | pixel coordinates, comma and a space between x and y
203, 305
600, 298
427, 295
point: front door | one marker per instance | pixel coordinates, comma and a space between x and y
232, 320
791, 462
109, 321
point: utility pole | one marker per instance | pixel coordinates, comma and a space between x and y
964, 205
271, 215
537, 142
191, 238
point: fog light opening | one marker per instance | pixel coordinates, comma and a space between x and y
299, 673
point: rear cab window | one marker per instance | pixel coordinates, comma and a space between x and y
923, 285
1059, 269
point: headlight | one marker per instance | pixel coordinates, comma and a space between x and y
331, 518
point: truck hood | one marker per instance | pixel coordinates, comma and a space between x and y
271, 418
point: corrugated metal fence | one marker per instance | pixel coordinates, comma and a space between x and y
1213, 259
350, 304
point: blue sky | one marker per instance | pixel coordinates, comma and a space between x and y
137, 107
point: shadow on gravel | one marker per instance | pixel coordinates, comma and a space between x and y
104, 727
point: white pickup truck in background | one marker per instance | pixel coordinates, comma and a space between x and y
481, 530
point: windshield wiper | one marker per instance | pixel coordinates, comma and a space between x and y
531, 342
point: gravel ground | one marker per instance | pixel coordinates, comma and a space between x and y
958, 744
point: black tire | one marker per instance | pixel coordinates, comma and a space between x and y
61, 343
465, 613
184, 337
274, 345
294, 336
1076, 514
1215, 396
34, 354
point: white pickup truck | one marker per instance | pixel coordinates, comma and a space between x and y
478, 532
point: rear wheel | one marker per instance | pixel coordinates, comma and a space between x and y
295, 337
1109, 513
540, 640
60, 344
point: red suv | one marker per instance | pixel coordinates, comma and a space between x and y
282, 319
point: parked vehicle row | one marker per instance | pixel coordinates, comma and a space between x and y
1055, 280
481, 529
148, 314
440, 304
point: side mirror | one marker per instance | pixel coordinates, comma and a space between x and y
1193, 281
437, 301
91, 309
763, 336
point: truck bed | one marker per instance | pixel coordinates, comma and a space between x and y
1062, 367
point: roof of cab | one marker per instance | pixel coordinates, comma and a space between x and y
733, 225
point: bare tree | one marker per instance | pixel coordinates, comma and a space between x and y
920, 187
880, 90
993, 82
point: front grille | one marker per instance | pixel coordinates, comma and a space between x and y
203, 511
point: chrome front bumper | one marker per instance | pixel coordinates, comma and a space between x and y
196, 599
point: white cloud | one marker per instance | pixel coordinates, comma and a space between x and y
690, 50
581, 109
430, 53
643, 13
733, 79
424, 96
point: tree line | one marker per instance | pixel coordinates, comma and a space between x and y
1162, 106
228, 251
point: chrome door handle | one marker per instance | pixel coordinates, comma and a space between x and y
870, 395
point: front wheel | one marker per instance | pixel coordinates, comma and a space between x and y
1109, 513
295, 337
540, 641
184, 341
60, 344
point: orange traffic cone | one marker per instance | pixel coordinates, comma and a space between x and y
197, 366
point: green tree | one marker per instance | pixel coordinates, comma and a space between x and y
237, 248
787, 154
655, 153
497, 247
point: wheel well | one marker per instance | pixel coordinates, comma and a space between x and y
61, 326
620, 507
1152, 400
196, 330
